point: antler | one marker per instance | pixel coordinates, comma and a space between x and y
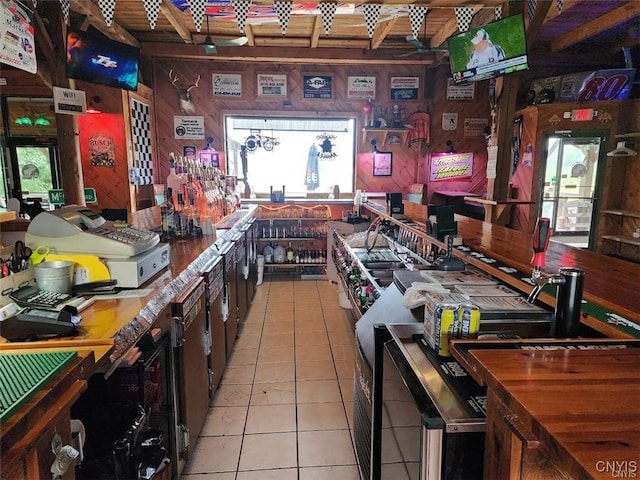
173, 79
195, 84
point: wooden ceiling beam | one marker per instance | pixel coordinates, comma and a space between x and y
93, 13
449, 28
171, 14
315, 32
381, 32
248, 32
45, 53
321, 55
592, 28
535, 23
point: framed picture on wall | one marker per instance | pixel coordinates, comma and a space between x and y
382, 164
271, 85
361, 87
317, 87
210, 158
404, 88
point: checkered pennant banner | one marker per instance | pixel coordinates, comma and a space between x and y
416, 17
152, 8
241, 7
64, 6
108, 8
498, 12
283, 9
371, 13
198, 9
464, 15
560, 5
328, 11
531, 8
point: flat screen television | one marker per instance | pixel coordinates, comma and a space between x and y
495, 49
94, 58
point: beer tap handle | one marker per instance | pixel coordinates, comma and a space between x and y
541, 236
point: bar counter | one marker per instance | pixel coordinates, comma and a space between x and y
564, 413
610, 284
120, 323
108, 331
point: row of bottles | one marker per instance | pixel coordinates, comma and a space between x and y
196, 198
281, 254
361, 292
293, 230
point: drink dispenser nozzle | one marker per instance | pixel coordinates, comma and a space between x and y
541, 235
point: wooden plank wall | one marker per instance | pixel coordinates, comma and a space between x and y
214, 108
410, 164
478, 108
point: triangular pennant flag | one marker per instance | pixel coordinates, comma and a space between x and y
198, 9
560, 4
108, 8
328, 11
283, 9
241, 7
416, 17
498, 12
371, 12
531, 8
35, 3
64, 6
464, 15
152, 8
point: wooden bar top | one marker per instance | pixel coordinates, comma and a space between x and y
485, 201
582, 403
609, 282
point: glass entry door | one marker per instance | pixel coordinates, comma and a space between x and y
34, 172
569, 193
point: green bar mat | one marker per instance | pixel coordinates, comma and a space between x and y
23, 374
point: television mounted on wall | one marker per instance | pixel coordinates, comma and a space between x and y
495, 49
94, 58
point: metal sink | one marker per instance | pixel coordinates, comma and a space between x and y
383, 282
390, 266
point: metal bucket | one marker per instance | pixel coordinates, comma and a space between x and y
55, 276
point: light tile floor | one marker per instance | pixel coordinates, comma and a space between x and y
283, 409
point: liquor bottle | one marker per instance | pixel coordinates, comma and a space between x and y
167, 217
290, 254
181, 221
194, 221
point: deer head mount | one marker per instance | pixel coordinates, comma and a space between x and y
186, 104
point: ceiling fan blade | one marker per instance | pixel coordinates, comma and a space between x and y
408, 54
233, 42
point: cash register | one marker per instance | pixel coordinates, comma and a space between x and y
132, 255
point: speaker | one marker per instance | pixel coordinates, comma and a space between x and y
394, 203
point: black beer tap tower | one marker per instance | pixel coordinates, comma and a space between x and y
570, 283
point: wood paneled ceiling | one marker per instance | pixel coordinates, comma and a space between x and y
584, 31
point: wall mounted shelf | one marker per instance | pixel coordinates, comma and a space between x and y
385, 134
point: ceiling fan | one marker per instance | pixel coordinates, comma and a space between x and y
210, 44
421, 47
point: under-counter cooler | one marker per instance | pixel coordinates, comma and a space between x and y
190, 350
418, 415
213, 274
429, 415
